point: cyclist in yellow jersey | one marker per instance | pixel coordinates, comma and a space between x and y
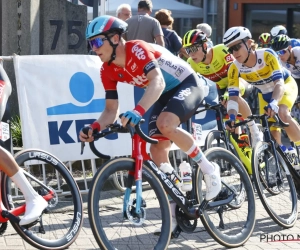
261, 69
213, 63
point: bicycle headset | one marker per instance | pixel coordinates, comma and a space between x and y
107, 26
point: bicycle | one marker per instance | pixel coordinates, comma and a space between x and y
231, 142
52, 180
112, 212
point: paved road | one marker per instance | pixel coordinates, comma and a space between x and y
198, 240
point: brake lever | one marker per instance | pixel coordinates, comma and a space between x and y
82, 147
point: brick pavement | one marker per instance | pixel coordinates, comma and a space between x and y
198, 240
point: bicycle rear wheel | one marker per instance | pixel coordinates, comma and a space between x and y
62, 219
230, 225
279, 198
111, 228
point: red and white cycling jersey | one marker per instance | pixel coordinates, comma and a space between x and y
142, 57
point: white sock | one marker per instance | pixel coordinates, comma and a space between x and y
253, 128
23, 184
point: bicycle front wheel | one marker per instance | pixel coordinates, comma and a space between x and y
61, 221
232, 224
115, 227
274, 185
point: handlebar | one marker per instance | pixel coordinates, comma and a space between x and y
116, 128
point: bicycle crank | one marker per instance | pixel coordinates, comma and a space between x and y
186, 224
135, 218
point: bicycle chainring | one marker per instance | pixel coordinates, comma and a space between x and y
186, 224
3, 228
132, 216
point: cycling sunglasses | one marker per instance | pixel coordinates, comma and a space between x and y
235, 48
97, 42
281, 52
192, 49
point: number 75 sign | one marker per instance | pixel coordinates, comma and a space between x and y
73, 33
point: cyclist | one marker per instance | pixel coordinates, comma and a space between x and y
262, 69
281, 30
289, 59
264, 40
171, 87
35, 204
213, 63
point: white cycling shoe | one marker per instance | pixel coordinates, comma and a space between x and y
256, 137
34, 209
213, 183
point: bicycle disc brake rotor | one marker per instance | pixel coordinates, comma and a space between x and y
186, 224
133, 217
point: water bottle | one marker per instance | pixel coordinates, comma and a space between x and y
169, 170
186, 176
294, 156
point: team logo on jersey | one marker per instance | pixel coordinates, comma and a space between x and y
133, 67
228, 58
259, 61
139, 52
139, 80
121, 75
179, 71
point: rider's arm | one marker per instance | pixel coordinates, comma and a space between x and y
109, 114
233, 90
155, 87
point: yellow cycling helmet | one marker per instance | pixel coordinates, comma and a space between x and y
193, 37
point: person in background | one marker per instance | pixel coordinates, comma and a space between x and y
281, 30
173, 42
143, 26
123, 11
207, 30
264, 40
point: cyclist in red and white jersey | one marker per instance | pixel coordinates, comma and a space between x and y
35, 204
171, 87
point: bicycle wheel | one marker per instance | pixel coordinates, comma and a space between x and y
215, 138
61, 221
231, 226
281, 203
119, 180
105, 206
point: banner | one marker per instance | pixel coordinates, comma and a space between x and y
59, 94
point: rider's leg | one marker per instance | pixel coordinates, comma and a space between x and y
35, 204
167, 124
245, 110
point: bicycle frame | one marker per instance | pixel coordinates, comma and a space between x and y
14, 213
140, 155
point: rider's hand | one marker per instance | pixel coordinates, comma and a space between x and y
272, 108
133, 116
85, 134
230, 123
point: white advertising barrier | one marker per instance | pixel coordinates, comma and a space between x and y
59, 94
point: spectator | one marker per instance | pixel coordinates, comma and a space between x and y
124, 11
143, 26
207, 30
173, 42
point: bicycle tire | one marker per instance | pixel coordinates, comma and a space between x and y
106, 213
282, 206
229, 233
63, 233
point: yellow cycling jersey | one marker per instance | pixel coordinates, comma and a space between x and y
216, 71
262, 75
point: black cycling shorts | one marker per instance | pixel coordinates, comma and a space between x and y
182, 101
